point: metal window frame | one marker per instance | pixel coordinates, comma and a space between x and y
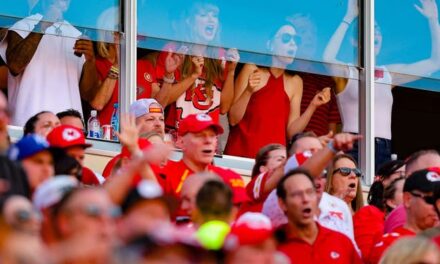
366, 99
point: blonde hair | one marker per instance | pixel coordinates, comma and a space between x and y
410, 250
358, 201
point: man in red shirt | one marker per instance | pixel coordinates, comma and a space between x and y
302, 239
418, 201
197, 137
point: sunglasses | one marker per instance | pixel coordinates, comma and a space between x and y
23, 215
429, 199
286, 38
95, 211
344, 171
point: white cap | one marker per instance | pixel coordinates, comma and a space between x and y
51, 191
145, 106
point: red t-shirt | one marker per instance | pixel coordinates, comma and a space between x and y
386, 241
329, 247
254, 190
175, 173
145, 78
368, 225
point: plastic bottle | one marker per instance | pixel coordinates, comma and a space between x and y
115, 121
93, 125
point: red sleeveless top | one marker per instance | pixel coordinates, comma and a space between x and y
264, 122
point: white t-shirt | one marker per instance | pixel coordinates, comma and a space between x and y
51, 79
348, 102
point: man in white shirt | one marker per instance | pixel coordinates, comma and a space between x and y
50, 68
333, 212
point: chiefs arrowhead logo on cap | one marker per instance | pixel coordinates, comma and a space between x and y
432, 176
70, 134
147, 77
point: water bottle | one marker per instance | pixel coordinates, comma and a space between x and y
115, 121
93, 126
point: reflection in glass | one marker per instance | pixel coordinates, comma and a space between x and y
385, 76
201, 75
267, 101
45, 73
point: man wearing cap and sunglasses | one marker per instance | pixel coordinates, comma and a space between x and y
197, 137
419, 202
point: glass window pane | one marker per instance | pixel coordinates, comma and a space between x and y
269, 41
61, 55
408, 47
407, 71
87, 17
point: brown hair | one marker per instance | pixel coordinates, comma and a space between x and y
263, 156
212, 69
358, 202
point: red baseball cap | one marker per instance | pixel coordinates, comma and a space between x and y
66, 136
197, 122
249, 229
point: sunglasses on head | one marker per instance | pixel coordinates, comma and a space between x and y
286, 38
344, 171
429, 199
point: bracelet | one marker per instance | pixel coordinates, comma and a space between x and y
113, 73
331, 147
169, 80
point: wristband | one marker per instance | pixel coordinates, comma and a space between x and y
113, 73
346, 22
331, 147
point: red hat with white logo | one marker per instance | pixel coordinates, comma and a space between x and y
249, 229
66, 136
197, 122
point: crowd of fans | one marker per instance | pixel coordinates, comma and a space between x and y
304, 202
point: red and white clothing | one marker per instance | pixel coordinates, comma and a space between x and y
264, 122
386, 241
254, 190
145, 78
196, 99
368, 225
51, 79
329, 247
176, 172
